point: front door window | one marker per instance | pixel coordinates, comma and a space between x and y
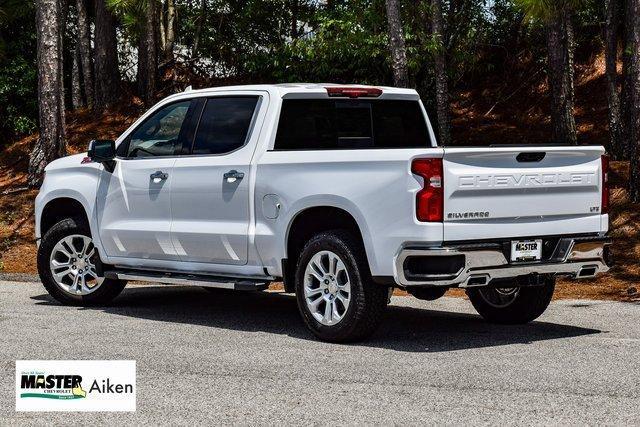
160, 134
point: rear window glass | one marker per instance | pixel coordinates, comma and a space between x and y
327, 124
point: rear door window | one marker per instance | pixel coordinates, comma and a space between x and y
224, 124
326, 124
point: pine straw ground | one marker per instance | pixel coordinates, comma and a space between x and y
519, 121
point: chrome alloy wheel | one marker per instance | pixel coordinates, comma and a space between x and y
499, 297
72, 265
327, 289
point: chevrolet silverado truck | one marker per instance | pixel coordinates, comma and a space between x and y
340, 192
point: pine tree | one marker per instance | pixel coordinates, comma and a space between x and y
107, 77
51, 142
396, 45
633, 97
556, 16
442, 85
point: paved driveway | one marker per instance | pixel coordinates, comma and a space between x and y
227, 357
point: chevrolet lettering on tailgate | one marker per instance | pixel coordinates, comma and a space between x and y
527, 180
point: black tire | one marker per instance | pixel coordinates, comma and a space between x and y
525, 306
108, 290
368, 300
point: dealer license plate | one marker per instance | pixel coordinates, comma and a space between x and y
526, 250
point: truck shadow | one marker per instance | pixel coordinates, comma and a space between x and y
406, 329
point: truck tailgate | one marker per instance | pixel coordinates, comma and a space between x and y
497, 192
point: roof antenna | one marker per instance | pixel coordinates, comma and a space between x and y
188, 88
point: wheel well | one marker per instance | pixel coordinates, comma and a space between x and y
58, 209
309, 223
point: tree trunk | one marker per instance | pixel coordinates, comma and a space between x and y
294, 19
633, 47
84, 47
198, 34
629, 63
51, 142
162, 36
560, 74
76, 91
107, 77
611, 55
396, 45
170, 31
442, 86
142, 74
571, 47
148, 56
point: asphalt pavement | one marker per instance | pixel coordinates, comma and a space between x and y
245, 358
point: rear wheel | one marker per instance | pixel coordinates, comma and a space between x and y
69, 265
514, 305
338, 300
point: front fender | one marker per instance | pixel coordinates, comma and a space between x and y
76, 181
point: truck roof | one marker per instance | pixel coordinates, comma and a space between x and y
284, 89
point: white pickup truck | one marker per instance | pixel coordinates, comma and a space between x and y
341, 192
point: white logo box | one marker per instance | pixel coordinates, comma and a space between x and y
75, 385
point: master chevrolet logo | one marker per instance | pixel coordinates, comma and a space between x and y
52, 386
562, 179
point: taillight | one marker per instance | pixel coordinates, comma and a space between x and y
429, 200
353, 92
605, 184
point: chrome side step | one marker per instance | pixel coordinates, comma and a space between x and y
190, 279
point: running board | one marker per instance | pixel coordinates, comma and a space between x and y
190, 279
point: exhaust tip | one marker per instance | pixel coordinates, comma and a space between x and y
587, 272
477, 281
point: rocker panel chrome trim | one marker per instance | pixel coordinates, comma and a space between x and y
186, 279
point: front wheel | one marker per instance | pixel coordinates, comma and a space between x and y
337, 298
68, 266
512, 305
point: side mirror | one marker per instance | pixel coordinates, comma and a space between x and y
102, 150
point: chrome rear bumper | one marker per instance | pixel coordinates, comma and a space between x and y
576, 257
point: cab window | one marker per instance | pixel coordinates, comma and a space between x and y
351, 124
162, 134
225, 124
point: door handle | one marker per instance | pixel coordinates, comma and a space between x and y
159, 175
233, 175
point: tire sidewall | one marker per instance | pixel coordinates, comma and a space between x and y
107, 290
334, 243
